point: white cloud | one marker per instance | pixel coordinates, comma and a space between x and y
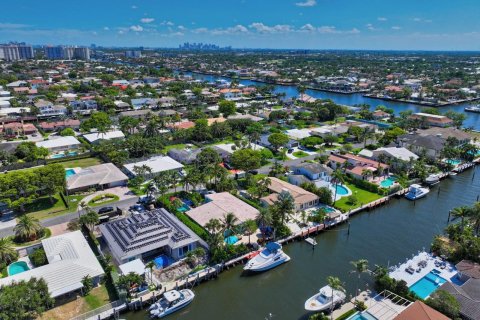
200, 30
238, 29
167, 23
262, 28
396, 28
121, 32
7, 25
308, 27
306, 3
181, 28
136, 28
370, 26
147, 20
382, 19
422, 20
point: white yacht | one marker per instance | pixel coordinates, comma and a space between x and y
325, 299
269, 258
432, 179
172, 301
475, 109
416, 191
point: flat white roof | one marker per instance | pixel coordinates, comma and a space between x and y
93, 137
229, 147
298, 134
136, 266
58, 142
69, 260
157, 164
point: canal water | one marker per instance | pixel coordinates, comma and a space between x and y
384, 236
473, 119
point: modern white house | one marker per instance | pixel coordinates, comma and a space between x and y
60, 144
96, 137
156, 164
70, 259
148, 234
101, 176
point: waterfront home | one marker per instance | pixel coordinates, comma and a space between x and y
394, 153
380, 114
218, 205
148, 234
445, 133
97, 137
420, 311
430, 146
101, 176
467, 295
303, 199
313, 171
356, 165
70, 260
59, 144
432, 119
156, 164
60, 125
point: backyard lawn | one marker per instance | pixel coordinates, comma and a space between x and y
44, 209
82, 163
96, 298
178, 146
363, 197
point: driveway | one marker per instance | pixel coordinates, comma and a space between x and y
123, 193
7, 220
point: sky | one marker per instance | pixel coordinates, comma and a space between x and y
283, 24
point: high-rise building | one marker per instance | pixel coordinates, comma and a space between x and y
67, 53
82, 53
54, 52
14, 51
133, 54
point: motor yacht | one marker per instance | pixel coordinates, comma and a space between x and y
170, 302
416, 191
268, 258
326, 298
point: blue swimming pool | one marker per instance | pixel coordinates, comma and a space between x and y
69, 173
341, 190
428, 284
63, 155
362, 316
163, 261
387, 183
231, 240
17, 267
183, 208
453, 162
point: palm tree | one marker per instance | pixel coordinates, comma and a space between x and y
335, 284
284, 206
461, 213
360, 266
474, 217
213, 226
264, 219
229, 221
337, 178
27, 228
150, 265
250, 226
7, 252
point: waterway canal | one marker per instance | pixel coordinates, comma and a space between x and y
473, 119
384, 236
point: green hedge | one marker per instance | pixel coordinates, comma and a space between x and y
363, 184
347, 314
192, 225
250, 202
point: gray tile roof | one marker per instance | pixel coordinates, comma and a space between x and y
468, 295
101, 174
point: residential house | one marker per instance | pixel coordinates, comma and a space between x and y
148, 234
70, 260
60, 125
265, 143
303, 199
313, 171
121, 105
356, 165
380, 114
156, 164
432, 119
142, 103
59, 144
394, 153
185, 156
430, 146
420, 311
220, 204
445, 133
102, 176
48, 109
83, 107
18, 129
96, 137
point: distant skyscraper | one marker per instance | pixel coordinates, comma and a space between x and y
133, 54
54, 53
82, 53
14, 51
67, 53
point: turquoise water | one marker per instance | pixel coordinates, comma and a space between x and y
231, 240
63, 155
427, 285
183, 208
69, 173
387, 183
341, 190
362, 316
17, 267
453, 162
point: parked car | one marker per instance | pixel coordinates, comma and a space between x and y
254, 172
290, 150
227, 166
106, 210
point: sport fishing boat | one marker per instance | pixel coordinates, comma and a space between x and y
416, 191
172, 301
475, 109
268, 258
325, 299
432, 179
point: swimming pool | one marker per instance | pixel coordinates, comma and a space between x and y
453, 162
163, 261
63, 155
183, 208
428, 284
341, 190
69, 173
231, 240
17, 267
362, 316
387, 183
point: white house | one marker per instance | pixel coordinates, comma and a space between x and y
96, 137
60, 144
156, 164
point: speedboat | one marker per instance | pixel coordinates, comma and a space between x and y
432, 179
416, 191
268, 258
475, 109
325, 299
172, 301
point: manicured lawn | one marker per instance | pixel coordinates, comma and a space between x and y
178, 146
300, 154
44, 209
97, 297
363, 197
82, 163
108, 199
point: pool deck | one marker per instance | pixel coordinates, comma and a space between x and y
400, 274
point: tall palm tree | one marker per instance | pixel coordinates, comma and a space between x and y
264, 219
150, 265
461, 213
335, 284
474, 217
284, 206
229, 221
7, 252
213, 226
360, 266
337, 178
27, 228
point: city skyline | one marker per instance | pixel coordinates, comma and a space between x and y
286, 24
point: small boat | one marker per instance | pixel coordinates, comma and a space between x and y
475, 109
325, 299
311, 241
268, 258
432, 179
172, 301
416, 191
